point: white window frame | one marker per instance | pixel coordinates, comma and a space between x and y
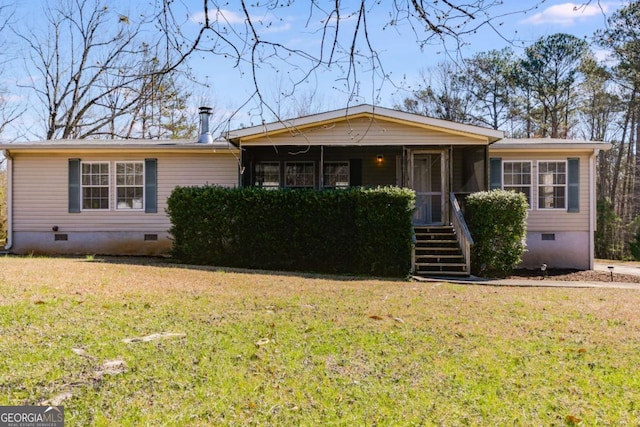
313, 174
344, 184
540, 185
117, 186
83, 186
269, 185
514, 187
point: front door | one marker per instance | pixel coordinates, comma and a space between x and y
428, 183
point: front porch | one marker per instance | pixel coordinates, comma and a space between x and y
440, 176
371, 146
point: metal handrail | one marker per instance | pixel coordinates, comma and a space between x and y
462, 231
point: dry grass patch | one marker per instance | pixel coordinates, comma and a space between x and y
250, 348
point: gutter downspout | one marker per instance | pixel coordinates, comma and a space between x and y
9, 242
592, 207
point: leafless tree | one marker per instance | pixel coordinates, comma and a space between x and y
91, 61
9, 112
247, 36
442, 93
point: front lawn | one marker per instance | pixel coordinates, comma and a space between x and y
267, 349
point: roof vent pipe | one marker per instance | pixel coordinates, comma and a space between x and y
205, 133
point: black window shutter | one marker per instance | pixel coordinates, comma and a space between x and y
151, 185
355, 172
573, 181
495, 173
74, 185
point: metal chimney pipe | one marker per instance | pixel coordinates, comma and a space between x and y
205, 133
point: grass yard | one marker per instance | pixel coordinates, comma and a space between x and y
269, 349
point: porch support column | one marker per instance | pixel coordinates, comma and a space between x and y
487, 184
241, 167
449, 164
321, 171
448, 186
405, 167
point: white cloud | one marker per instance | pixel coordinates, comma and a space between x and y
605, 57
265, 24
219, 15
276, 28
567, 14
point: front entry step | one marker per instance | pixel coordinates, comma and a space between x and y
437, 252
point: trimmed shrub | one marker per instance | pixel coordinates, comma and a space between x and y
497, 222
354, 231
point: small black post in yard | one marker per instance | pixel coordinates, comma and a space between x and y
611, 267
543, 268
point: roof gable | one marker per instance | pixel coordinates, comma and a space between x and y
303, 124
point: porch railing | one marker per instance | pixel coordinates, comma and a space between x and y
462, 231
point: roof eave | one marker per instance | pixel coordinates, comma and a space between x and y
541, 146
132, 149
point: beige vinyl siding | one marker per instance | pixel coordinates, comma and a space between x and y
548, 220
41, 194
365, 131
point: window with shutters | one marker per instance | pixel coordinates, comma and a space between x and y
129, 185
120, 185
516, 176
552, 185
95, 185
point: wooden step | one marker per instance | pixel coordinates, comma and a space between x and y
443, 273
440, 256
447, 230
441, 264
439, 248
457, 263
427, 243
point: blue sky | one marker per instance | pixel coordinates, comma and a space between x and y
516, 23
229, 86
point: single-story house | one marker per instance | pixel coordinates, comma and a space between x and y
109, 197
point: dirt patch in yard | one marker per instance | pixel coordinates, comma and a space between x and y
574, 275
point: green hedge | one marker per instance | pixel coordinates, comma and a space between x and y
355, 231
497, 221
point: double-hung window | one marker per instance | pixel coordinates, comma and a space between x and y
95, 185
113, 185
129, 185
516, 176
552, 184
336, 175
299, 174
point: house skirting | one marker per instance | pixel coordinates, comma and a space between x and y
91, 242
565, 249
